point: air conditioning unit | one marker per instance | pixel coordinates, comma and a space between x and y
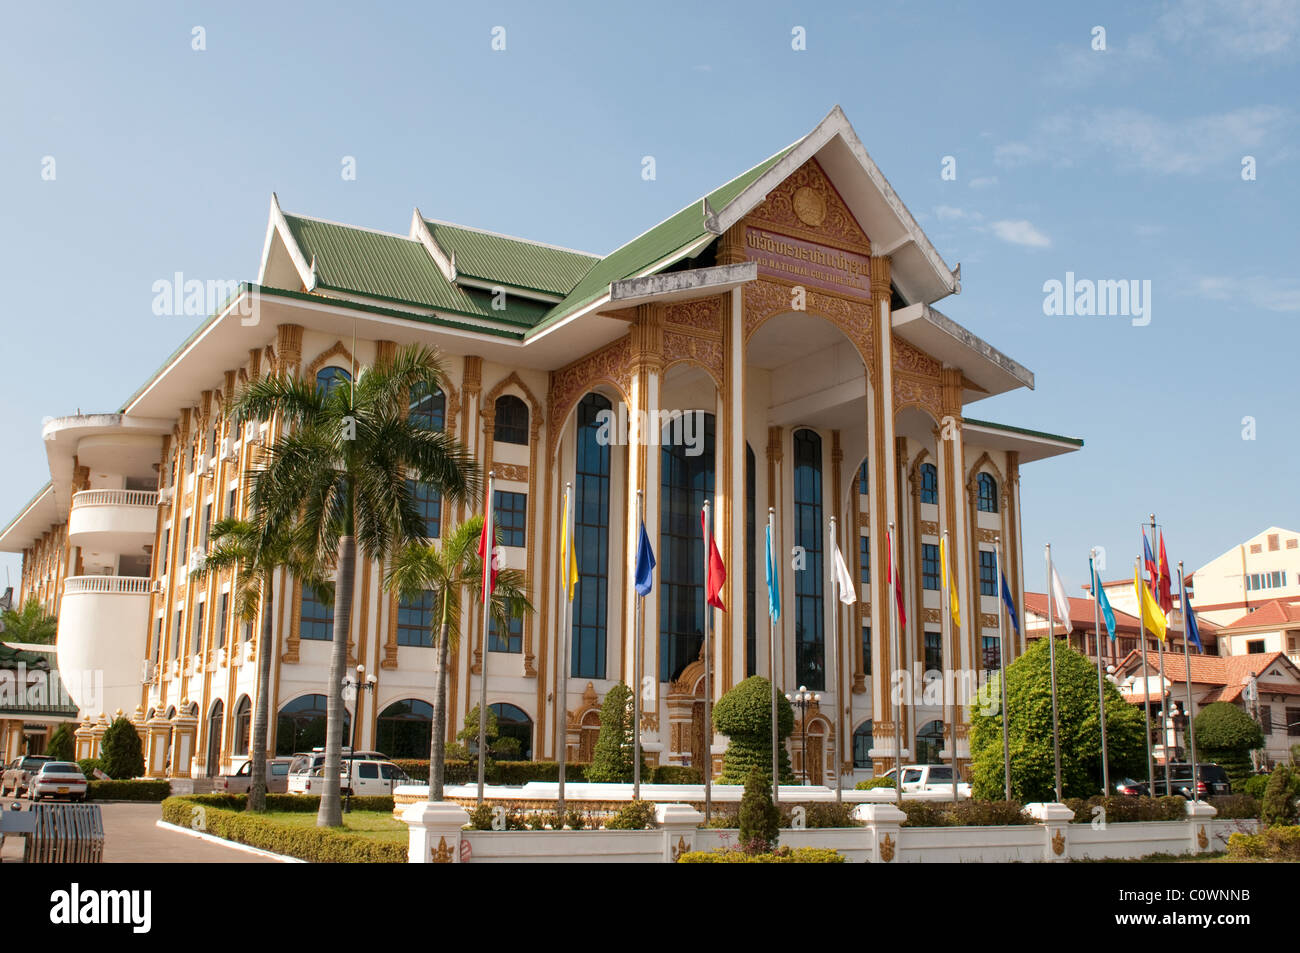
165, 495
229, 451
156, 586
147, 671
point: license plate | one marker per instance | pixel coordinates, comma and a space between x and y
63, 790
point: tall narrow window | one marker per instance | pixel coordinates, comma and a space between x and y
428, 503
686, 481
751, 572
933, 652
511, 420
929, 566
929, 483
864, 484
864, 559
221, 620
591, 540
512, 641
511, 515
428, 411
988, 574
809, 624
317, 617
987, 493
415, 620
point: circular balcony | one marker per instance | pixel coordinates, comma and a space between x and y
113, 521
103, 623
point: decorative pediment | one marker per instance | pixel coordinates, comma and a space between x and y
336, 352
808, 206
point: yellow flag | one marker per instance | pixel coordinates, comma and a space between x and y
953, 604
568, 574
1153, 617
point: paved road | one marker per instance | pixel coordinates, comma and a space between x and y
131, 835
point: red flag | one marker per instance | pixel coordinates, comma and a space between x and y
1166, 595
485, 542
715, 573
897, 582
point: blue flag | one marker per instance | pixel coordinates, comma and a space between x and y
1193, 630
1010, 604
773, 590
1103, 601
645, 564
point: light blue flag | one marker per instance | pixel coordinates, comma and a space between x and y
773, 590
1103, 601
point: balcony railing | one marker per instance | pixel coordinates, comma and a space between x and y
127, 585
115, 498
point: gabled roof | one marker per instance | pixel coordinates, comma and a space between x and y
1279, 612
515, 262
1227, 672
1081, 612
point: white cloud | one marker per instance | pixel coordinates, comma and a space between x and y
947, 213
984, 182
1244, 29
1258, 291
1020, 232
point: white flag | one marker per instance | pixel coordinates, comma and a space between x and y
844, 579
1062, 603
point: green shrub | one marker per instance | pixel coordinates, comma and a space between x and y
1226, 734
926, 813
744, 715
1272, 843
506, 749
633, 816
782, 855
88, 766
675, 774
512, 773
1279, 805
1126, 809
1235, 806
612, 761
1295, 756
121, 752
870, 783
318, 845
826, 814
291, 803
480, 818
760, 821
147, 790
61, 746
1253, 785
978, 813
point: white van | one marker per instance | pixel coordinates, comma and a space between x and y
375, 773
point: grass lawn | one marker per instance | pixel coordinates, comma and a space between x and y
379, 825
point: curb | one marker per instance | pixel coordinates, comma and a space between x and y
213, 839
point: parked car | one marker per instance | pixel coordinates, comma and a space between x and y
1211, 780
1130, 788
56, 779
277, 778
18, 771
307, 770
930, 777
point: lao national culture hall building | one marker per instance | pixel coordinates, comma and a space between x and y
793, 308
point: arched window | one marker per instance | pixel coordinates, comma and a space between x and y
300, 725
591, 540
987, 488
428, 411
864, 477
686, 481
405, 728
243, 726
329, 379
862, 744
929, 742
215, 717
511, 420
809, 624
929, 483
513, 722
317, 617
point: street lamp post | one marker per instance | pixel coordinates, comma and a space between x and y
803, 698
362, 682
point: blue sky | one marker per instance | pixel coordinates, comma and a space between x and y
1123, 163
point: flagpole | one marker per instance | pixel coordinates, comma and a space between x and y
707, 767
1146, 681
771, 656
1160, 661
898, 661
1002, 670
950, 665
1187, 664
835, 631
1101, 685
562, 719
1051, 657
487, 599
636, 668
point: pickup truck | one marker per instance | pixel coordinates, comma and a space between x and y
931, 778
373, 776
277, 778
18, 773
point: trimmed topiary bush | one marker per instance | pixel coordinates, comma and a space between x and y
61, 746
142, 790
88, 766
744, 715
612, 761
121, 752
1227, 735
1121, 809
1254, 785
1279, 805
869, 783
676, 774
633, 816
1235, 806
760, 821
782, 855
1029, 721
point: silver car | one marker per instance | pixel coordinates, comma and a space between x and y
57, 779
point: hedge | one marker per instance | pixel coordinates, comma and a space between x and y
511, 773
1235, 806
291, 803
1122, 809
142, 790
319, 845
782, 855
870, 783
1273, 843
967, 813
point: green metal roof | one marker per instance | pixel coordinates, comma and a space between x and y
669, 236
512, 261
1077, 441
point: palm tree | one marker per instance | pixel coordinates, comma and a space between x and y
340, 469
242, 546
445, 570
29, 624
